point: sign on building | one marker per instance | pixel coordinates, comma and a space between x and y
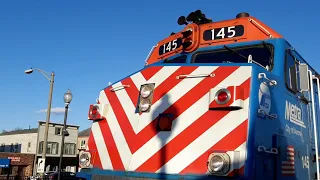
40, 165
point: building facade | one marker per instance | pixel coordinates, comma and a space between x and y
70, 160
83, 139
19, 146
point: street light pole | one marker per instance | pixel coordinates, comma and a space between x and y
67, 99
44, 151
51, 79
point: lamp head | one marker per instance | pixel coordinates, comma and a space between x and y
28, 71
67, 97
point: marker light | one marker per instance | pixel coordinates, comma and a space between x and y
94, 111
223, 96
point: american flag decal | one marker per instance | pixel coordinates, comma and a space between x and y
288, 165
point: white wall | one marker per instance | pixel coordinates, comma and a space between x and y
21, 139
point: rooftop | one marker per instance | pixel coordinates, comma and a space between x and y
21, 131
84, 133
68, 125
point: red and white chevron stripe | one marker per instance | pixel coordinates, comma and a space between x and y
128, 141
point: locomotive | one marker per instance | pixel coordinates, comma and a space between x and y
229, 99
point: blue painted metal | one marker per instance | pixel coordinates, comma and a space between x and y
263, 131
4, 163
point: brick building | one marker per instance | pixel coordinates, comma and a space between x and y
19, 146
21, 164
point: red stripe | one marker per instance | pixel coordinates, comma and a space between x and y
230, 142
171, 82
133, 92
191, 133
111, 146
94, 152
151, 71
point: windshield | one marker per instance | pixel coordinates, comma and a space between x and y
261, 54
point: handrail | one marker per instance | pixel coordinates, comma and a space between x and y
314, 122
195, 75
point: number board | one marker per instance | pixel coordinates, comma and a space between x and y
170, 46
223, 32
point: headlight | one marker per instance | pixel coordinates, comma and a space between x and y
84, 159
144, 105
216, 163
146, 91
219, 163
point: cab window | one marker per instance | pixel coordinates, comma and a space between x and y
291, 76
180, 59
262, 54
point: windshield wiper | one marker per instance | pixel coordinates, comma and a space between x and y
235, 52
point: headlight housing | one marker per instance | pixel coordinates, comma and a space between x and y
219, 163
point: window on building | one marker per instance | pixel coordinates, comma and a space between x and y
16, 147
2, 147
69, 148
52, 147
29, 147
83, 144
58, 131
6, 171
11, 148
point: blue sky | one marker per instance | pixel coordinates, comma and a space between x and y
89, 43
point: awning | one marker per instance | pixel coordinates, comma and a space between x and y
4, 163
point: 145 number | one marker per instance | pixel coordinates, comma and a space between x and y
170, 46
224, 32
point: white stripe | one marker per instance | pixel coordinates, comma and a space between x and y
128, 107
101, 147
117, 134
290, 154
163, 74
209, 138
187, 117
173, 95
291, 158
290, 149
138, 80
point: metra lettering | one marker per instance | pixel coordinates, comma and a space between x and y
293, 114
